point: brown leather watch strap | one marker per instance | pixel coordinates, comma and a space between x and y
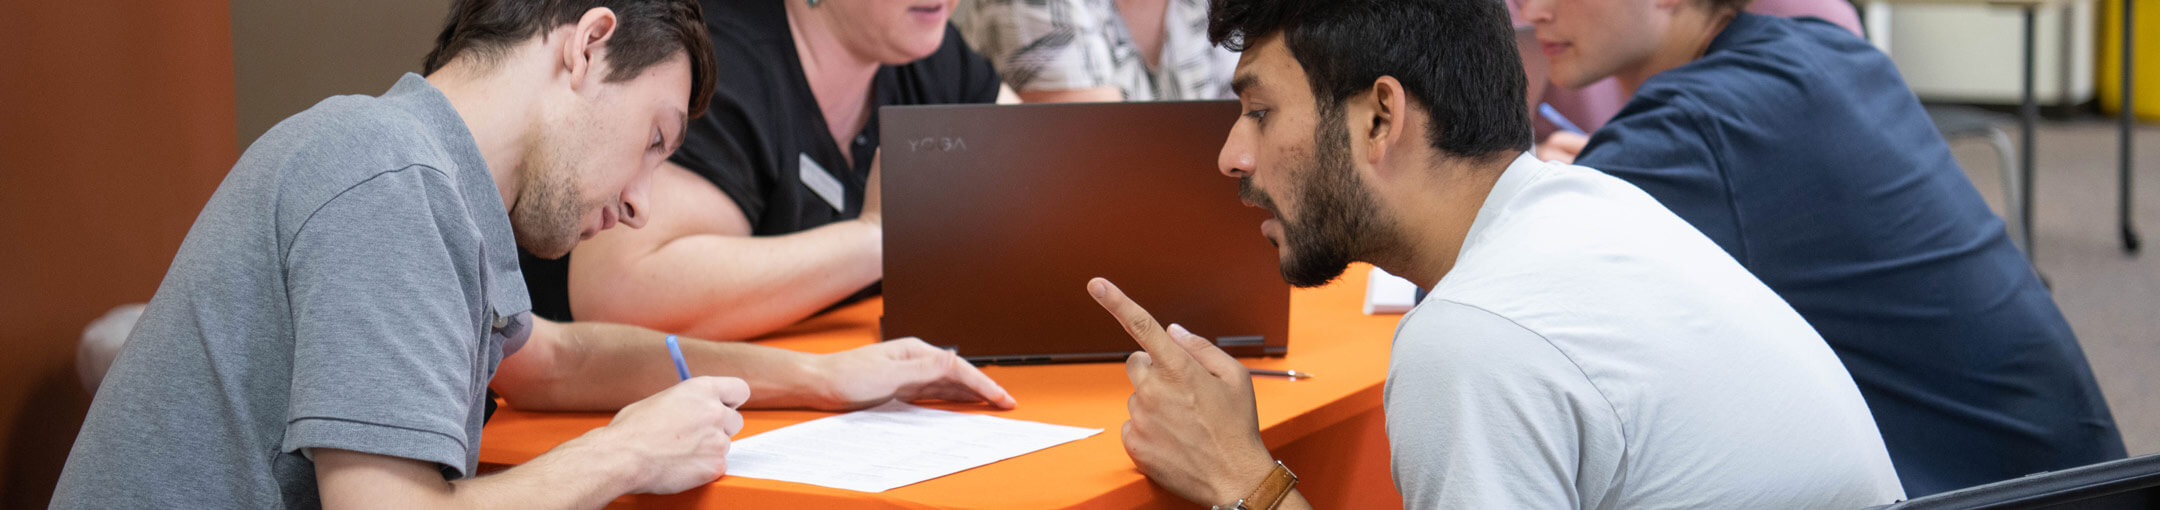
1272, 489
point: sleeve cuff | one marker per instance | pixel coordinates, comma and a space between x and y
442, 449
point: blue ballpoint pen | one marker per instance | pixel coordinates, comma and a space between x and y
674, 349
1559, 121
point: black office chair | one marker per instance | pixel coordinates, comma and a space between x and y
2132, 483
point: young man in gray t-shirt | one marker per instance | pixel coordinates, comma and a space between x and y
330, 327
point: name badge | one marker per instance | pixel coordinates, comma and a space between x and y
822, 183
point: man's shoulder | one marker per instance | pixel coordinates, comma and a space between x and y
1774, 78
1762, 59
1559, 222
348, 139
1466, 337
348, 145
335, 121
345, 141
1578, 251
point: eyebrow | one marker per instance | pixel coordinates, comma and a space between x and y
1243, 81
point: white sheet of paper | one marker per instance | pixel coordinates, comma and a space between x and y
890, 446
1387, 293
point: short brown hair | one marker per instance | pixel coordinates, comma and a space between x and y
646, 33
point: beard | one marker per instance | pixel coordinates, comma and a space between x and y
1336, 219
548, 217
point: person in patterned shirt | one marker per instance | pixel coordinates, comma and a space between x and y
1099, 50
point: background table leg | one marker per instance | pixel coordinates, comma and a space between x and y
2128, 118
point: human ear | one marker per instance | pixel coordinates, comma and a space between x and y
1383, 127
588, 42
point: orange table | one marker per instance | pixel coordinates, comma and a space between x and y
1329, 428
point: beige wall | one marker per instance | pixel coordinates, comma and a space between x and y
290, 54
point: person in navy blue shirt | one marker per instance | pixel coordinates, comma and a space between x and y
1798, 148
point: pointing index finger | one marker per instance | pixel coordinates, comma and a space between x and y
1143, 327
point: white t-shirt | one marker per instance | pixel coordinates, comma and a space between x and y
1592, 350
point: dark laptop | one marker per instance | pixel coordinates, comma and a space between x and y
997, 216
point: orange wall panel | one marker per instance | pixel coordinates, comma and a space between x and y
116, 124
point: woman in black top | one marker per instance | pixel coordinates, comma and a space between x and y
762, 216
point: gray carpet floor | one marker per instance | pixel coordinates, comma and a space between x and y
2111, 298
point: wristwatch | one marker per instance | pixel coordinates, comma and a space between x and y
1270, 493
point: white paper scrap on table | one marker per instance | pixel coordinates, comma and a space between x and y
890, 446
1387, 293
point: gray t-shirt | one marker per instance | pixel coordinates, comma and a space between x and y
352, 284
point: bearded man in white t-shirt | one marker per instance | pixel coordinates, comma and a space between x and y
1582, 347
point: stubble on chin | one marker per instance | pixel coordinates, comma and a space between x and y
546, 218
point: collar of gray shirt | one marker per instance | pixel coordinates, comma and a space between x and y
506, 285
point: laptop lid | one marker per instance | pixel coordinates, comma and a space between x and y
997, 216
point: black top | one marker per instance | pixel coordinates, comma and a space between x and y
764, 121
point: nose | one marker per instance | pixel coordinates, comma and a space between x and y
635, 202
1236, 158
1536, 12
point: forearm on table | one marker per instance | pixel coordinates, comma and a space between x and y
586, 366
735, 287
577, 474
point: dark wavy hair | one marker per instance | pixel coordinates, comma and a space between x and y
646, 33
1455, 58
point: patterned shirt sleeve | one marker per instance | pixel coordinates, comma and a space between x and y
1043, 44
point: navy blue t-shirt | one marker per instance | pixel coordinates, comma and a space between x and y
1797, 147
